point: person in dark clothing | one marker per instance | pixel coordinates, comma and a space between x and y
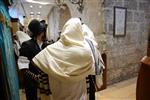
29, 49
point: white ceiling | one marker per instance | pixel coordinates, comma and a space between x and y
37, 8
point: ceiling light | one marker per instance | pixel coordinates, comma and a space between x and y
31, 6
40, 6
32, 16
39, 13
38, 18
31, 13
39, 2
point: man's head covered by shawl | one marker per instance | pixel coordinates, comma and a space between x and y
72, 32
69, 58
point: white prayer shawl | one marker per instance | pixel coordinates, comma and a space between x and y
16, 47
23, 62
67, 62
89, 35
22, 37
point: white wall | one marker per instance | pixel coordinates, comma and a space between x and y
53, 24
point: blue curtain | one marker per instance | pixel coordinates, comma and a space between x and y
8, 59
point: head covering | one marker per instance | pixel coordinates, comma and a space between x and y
36, 27
69, 58
72, 33
89, 34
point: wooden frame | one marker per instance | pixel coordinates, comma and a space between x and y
104, 75
120, 14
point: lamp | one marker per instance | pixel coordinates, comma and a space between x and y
79, 3
60, 3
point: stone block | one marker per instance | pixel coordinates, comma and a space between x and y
130, 0
131, 27
129, 16
131, 50
122, 56
105, 27
107, 30
111, 62
118, 74
119, 41
108, 3
110, 28
118, 3
108, 15
133, 58
143, 28
135, 37
130, 4
121, 60
109, 39
139, 16
147, 1
147, 16
144, 6
127, 38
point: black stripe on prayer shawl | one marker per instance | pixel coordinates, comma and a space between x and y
98, 68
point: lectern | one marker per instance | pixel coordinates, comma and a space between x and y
143, 81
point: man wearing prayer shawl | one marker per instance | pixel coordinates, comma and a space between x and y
67, 62
96, 79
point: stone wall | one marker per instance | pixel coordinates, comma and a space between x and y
90, 15
124, 53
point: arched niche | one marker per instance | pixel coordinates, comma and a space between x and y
56, 20
53, 23
64, 16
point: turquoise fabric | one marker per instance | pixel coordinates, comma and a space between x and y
8, 59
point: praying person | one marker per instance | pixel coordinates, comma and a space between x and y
67, 62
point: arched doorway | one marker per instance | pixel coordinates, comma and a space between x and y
56, 20
64, 16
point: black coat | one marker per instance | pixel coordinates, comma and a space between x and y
29, 49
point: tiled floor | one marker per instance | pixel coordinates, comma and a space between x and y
125, 90
121, 91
